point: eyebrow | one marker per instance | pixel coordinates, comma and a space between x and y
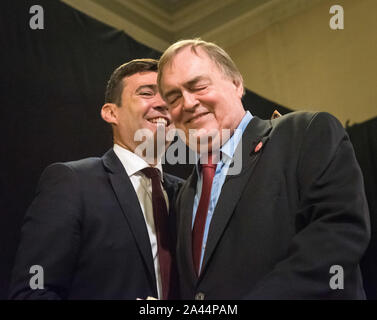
147, 86
187, 84
196, 80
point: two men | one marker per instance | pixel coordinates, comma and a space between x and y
274, 230
101, 227
295, 213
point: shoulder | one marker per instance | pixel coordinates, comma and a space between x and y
302, 122
306, 118
71, 170
85, 166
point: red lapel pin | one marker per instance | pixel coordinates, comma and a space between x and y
258, 147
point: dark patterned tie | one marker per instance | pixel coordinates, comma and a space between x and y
161, 222
208, 171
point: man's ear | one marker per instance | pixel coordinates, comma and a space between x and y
109, 113
238, 83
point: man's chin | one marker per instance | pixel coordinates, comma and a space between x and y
203, 140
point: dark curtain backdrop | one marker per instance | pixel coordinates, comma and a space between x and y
51, 90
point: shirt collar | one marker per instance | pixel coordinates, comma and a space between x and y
132, 163
230, 146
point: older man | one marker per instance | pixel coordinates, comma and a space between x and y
293, 223
100, 228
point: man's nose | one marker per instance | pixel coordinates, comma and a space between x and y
160, 104
189, 101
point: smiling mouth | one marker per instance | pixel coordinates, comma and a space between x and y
160, 120
197, 117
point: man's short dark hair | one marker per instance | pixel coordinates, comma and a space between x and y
115, 84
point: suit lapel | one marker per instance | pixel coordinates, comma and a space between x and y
131, 209
232, 189
170, 191
185, 222
171, 186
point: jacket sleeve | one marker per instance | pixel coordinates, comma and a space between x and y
333, 219
50, 237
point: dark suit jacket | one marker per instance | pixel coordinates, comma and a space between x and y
86, 229
296, 209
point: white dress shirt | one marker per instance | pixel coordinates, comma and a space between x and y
132, 163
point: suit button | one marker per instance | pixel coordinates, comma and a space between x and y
200, 296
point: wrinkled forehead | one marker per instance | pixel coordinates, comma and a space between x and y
188, 54
187, 64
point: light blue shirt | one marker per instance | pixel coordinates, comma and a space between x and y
227, 152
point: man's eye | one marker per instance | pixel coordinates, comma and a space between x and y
147, 93
199, 88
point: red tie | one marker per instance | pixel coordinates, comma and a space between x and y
164, 245
208, 171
